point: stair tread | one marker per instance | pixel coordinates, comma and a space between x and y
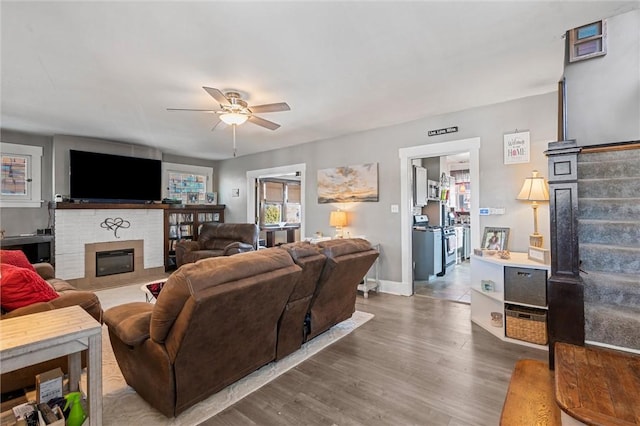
613, 310
618, 222
616, 276
610, 246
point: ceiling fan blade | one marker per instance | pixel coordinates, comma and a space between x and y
190, 109
280, 106
264, 123
217, 95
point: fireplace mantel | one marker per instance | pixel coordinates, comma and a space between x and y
103, 206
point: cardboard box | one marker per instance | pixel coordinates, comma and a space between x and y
49, 385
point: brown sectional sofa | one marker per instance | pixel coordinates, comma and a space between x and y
69, 296
219, 319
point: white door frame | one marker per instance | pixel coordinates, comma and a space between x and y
253, 175
471, 145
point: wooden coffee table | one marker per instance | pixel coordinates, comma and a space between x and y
35, 338
597, 386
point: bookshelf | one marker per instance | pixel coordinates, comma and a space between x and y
184, 222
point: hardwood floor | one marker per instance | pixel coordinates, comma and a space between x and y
420, 361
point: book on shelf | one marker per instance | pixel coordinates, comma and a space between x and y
186, 217
185, 230
205, 217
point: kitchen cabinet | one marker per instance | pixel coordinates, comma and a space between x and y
184, 222
498, 285
420, 186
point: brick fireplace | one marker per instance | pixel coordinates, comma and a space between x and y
81, 232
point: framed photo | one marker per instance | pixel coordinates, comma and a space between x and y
192, 197
495, 238
212, 198
516, 148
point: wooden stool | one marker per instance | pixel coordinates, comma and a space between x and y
531, 396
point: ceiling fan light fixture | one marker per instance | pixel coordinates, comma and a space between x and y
233, 118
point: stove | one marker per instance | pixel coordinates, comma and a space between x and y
427, 249
449, 247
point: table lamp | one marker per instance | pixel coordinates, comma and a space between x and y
534, 190
338, 219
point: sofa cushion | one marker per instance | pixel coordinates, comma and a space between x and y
22, 287
192, 278
16, 258
342, 247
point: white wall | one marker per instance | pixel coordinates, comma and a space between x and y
498, 186
603, 93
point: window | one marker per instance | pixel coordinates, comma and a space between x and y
280, 201
21, 175
189, 184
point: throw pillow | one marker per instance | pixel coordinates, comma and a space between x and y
16, 258
22, 287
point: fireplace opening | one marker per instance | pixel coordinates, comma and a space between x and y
113, 262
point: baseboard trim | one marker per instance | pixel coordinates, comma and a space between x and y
395, 287
616, 348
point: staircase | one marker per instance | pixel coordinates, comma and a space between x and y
609, 244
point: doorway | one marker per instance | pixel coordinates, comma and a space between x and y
407, 155
294, 172
441, 250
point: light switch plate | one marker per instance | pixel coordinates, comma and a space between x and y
395, 208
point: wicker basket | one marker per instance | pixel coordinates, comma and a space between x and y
528, 324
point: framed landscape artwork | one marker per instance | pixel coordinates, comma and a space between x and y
348, 184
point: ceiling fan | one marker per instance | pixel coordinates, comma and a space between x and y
234, 111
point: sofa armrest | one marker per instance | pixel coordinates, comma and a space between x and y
187, 245
130, 322
87, 300
184, 248
33, 308
237, 247
45, 270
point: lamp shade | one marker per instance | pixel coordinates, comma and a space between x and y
233, 118
338, 218
534, 189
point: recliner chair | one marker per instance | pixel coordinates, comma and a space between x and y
334, 299
214, 322
291, 327
218, 239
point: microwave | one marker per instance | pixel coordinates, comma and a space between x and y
432, 189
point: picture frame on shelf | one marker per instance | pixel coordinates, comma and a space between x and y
212, 198
192, 197
495, 238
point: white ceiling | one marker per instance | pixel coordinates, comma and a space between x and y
110, 69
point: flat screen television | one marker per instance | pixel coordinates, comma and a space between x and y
111, 178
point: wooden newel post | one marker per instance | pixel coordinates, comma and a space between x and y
565, 291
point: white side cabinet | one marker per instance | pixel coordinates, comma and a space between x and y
488, 291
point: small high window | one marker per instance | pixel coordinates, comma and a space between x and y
21, 175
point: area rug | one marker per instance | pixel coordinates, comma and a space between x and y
123, 406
